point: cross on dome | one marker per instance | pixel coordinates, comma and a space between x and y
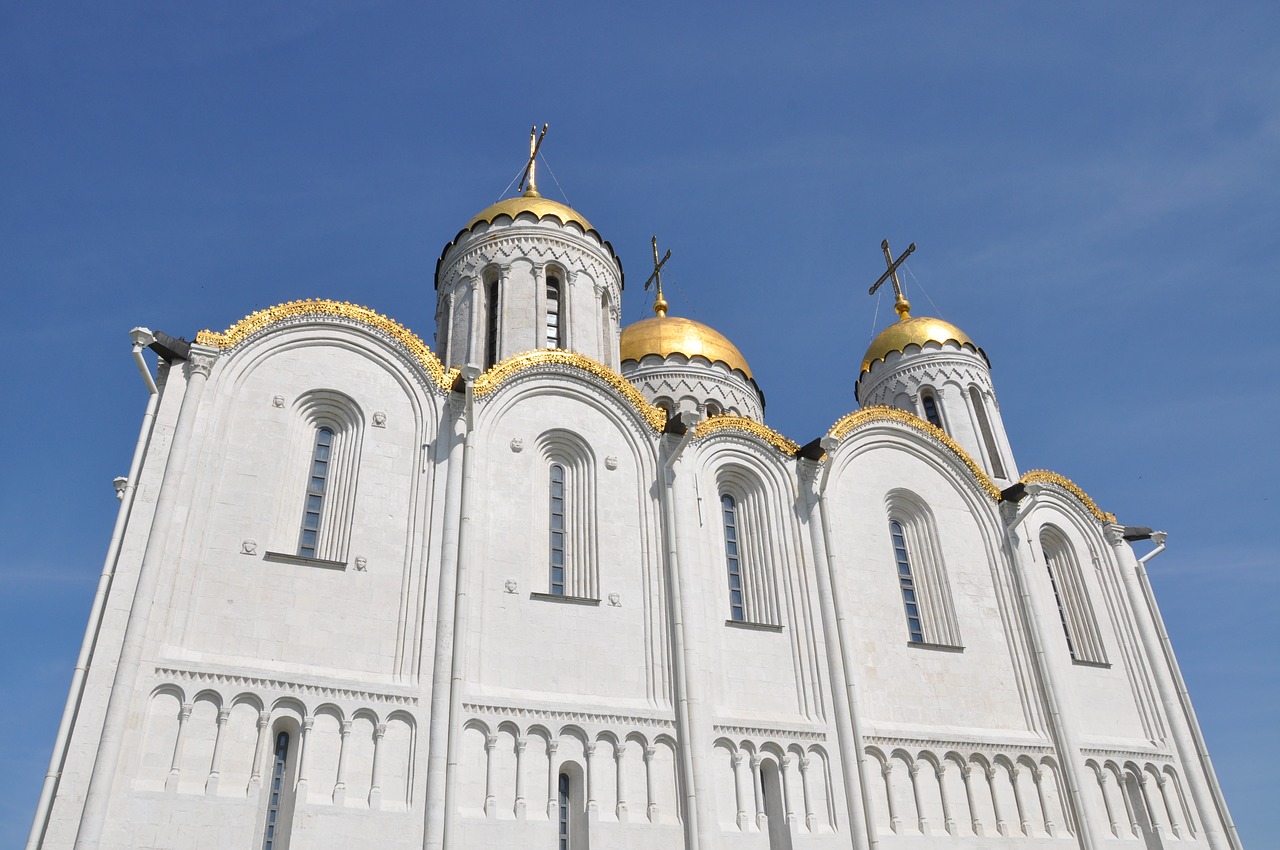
659, 302
530, 177
900, 302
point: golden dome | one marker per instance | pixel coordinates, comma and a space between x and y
913, 331
665, 335
537, 205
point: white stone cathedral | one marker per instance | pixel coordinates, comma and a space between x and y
554, 584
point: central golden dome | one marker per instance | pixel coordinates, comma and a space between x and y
540, 207
666, 335
914, 331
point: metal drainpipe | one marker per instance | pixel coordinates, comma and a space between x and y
675, 597
1063, 740
141, 337
1184, 697
862, 826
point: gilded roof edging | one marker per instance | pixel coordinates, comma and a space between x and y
262, 320
498, 374
1045, 476
715, 424
884, 413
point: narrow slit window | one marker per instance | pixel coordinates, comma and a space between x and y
442, 334
988, 436
491, 312
557, 530
1062, 611
554, 336
930, 405
272, 831
915, 625
317, 485
733, 558
562, 831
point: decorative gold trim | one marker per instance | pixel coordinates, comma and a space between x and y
1044, 476
497, 375
883, 413
263, 319
715, 424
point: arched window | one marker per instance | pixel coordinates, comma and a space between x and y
275, 833
930, 405
606, 330
442, 333
988, 436
921, 573
1071, 596
556, 587
491, 309
316, 487
324, 461
555, 339
733, 558
915, 626
570, 514
749, 560
774, 806
713, 409
562, 818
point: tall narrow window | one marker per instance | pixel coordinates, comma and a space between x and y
737, 610
554, 337
988, 437
316, 487
271, 835
557, 530
915, 626
491, 314
606, 347
930, 405
442, 333
1071, 597
562, 831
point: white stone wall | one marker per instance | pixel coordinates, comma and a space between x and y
640, 688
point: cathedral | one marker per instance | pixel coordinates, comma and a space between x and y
551, 582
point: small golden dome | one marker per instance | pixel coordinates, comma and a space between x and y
527, 203
666, 335
910, 330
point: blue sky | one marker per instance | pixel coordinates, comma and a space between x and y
1092, 187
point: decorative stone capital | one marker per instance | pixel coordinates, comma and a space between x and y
224, 714
346, 728
490, 743
264, 719
185, 711
379, 730
308, 723
200, 362
649, 753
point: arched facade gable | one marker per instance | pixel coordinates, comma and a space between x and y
888, 437
595, 382
333, 313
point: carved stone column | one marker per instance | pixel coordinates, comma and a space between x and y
739, 758
621, 767
921, 821
762, 819
809, 816
175, 769
490, 800
340, 787
784, 777
588, 757
215, 764
521, 744
652, 805
895, 824
1104, 782
1049, 826
1001, 826
1014, 774
264, 727
375, 778
553, 784
975, 823
300, 789
948, 820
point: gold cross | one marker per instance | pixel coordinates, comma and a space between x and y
900, 302
659, 303
530, 176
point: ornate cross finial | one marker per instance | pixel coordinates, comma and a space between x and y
900, 302
659, 303
529, 180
